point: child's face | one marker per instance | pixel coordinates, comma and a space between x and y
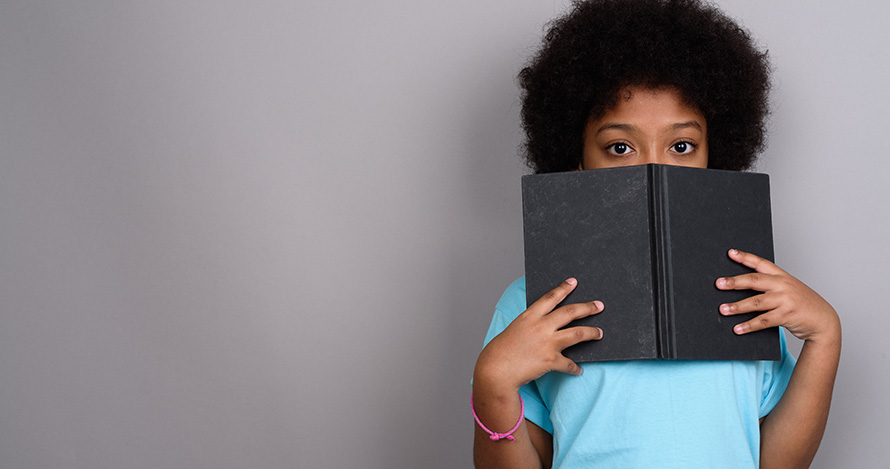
647, 126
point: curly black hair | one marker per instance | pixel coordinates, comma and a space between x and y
603, 46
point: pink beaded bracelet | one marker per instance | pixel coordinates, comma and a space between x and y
495, 436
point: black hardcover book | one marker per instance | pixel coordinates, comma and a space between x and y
649, 242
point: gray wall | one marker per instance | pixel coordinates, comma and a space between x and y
271, 234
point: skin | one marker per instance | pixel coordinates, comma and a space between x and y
656, 126
647, 126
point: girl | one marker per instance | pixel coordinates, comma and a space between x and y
632, 82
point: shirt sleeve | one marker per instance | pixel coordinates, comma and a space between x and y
776, 377
511, 305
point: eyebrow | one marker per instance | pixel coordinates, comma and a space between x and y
609, 126
631, 128
686, 125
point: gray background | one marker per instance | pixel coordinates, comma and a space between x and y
271, 234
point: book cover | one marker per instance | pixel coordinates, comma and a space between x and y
649, 242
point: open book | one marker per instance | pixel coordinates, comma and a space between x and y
649, 242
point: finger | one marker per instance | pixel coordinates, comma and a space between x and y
764, 321
552, 298
762, 302
568, 366
569, 313
755, 262
753, 281
574, 335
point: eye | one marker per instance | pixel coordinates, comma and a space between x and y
683, 148
619, 148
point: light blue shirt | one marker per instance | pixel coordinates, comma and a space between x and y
651, 413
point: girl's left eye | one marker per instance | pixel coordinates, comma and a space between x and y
683, 148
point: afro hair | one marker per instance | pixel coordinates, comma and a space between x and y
603, 46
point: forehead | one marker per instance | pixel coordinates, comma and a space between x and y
651, 105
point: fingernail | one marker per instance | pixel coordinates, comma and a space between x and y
724, 309
738, 329
733, 252
599, 305
721, 282
601, 332
572, 282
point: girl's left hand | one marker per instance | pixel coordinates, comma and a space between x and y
785, 301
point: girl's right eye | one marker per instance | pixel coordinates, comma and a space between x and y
619, 148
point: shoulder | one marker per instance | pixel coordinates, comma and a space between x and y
512, 302
511, 305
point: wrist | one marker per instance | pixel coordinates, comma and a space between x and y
491, 386
492, 379
829, 339
826, 344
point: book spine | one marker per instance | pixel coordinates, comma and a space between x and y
661, 287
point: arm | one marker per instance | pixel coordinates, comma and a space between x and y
529, 347
791, 433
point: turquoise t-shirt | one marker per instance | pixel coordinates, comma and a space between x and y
651, 413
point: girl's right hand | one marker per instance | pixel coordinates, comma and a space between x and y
532, 344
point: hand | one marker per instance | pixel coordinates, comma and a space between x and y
533, 343
785, 301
